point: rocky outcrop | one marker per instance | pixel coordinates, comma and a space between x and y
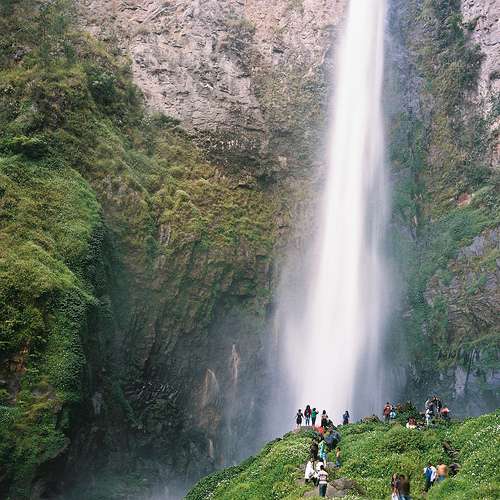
466, 299
240, 75
482, 19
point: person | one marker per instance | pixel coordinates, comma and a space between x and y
299, 418
307, 414
310, 473
431, 406
430, 473
338, 460
323, 481
411, 424
439, 405
428, 417
387, 411
395, 487
345, 418
324, 419
428, 404
314, 414
314, 450
445, 413
393, 414
322, 450
404, 487
442, 472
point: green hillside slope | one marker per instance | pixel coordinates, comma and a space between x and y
371, 453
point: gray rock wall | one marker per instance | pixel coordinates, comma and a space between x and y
232, 71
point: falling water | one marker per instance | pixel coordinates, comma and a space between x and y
333, 350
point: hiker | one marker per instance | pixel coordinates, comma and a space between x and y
345, 418
299, 418
338, 459
393, 414
324, 419
387, 411
314, 450
323, 481
412, 423
429, 405
428, 417
404, 487
395, 487
430, 474
322, 450
310, 473
442, 472
439, 404
445, 413
307, 414
314, 414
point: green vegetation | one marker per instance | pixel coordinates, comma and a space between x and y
371, 453
82, 164
442, 155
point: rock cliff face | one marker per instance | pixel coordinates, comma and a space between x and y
482, 18
467, 296
446, 201
240, 75
247, 80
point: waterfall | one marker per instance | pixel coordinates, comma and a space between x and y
333, 346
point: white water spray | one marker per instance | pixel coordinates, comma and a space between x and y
333, 351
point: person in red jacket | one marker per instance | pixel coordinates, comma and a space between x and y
387, 411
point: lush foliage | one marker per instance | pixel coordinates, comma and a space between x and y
371, 453
441, 154
81, 163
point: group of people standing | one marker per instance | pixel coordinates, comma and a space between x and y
434, 408
309, 417
400, 484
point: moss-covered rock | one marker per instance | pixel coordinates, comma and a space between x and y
122, 248
445, 198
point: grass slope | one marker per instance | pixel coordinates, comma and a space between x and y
372, 452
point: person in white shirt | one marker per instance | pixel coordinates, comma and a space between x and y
323, 481
430, 474
428, 417
310, 474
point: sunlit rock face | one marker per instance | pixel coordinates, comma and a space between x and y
483, 20
197, 61
235, 73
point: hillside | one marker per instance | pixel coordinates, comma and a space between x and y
371, 453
